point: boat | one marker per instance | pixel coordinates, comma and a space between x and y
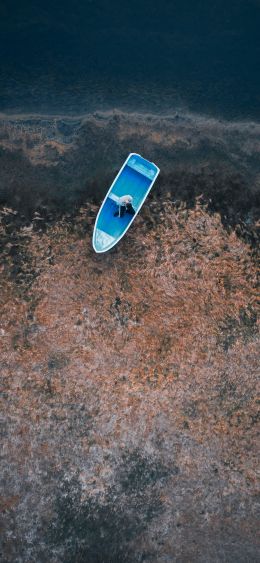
135, 179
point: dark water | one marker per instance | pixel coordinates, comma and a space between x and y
78, 56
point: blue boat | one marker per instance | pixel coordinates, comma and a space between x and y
134, 180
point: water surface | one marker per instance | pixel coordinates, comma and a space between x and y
70, 57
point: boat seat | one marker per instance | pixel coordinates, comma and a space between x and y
114, 197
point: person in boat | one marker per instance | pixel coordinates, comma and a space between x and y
125, 205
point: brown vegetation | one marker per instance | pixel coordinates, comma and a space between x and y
129, 390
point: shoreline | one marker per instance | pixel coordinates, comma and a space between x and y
180, 113
60, 163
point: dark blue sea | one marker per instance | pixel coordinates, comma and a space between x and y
75, 57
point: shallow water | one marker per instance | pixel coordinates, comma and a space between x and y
61, 162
